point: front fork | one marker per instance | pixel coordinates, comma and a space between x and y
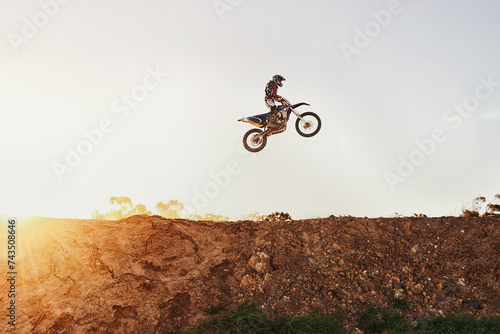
298, 115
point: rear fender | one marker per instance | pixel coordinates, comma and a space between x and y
255, 121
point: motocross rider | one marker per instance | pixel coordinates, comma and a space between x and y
272, 96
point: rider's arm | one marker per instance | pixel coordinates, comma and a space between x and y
271, 94
281, 100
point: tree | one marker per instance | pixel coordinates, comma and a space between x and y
493, 208
481, 209
172, 209
277, 216
123, 208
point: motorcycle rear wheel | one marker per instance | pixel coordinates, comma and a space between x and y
310, 126
253, 142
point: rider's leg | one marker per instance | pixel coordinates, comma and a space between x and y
273, 113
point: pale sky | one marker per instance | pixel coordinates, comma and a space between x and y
408, 92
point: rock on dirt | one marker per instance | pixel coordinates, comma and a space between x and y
260, 262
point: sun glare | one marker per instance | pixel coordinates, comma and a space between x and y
29, 239
35, 238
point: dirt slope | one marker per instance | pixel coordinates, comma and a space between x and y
152, 275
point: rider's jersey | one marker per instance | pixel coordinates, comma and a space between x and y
271, 92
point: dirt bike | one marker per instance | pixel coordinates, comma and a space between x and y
308, 124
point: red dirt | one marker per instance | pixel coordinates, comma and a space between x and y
147, 274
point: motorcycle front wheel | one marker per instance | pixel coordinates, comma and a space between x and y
253, 142
309, 125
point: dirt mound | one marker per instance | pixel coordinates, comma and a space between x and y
147, 274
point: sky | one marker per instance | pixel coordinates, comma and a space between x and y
141, 99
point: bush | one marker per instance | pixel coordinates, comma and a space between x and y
470, 213
277, 216
479, 205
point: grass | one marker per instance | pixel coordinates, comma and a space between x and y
400, 303
382, 320
249, 319
311, 323
459, 323
214, 309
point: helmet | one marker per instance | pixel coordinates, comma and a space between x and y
278, 80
